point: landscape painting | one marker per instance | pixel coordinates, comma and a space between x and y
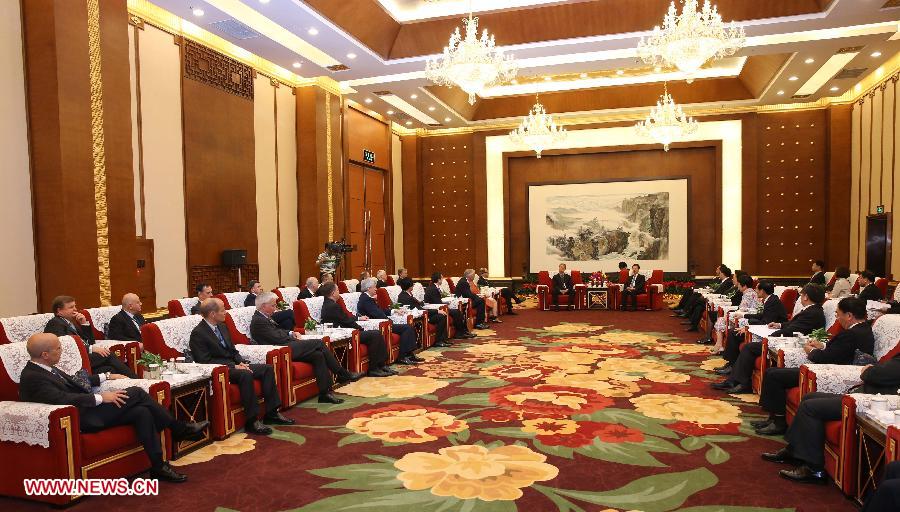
593, 226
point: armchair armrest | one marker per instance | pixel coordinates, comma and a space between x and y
259, 354
832, 378
158, 390
792, 357
28, 422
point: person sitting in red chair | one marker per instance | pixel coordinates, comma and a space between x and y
562, 283
633, 287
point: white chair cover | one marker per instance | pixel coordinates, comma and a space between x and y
886, 330
418, 292
289, 294
835, 378
15, 357
100, 317
176, 332
20, 328
393, 293
236, 299
351, 284
830, 309
351, 300
314, 305
187, 303
241, 318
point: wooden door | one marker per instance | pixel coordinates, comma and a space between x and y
356, 213
146, 274
375, 208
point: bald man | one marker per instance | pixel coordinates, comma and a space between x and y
126, 324
42, 382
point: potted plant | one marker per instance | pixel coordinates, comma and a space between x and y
152, 364
281, 305
309, 326
819, 334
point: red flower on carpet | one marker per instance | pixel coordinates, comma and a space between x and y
689, 428
405, 423
575, 434
549, 401
612, 433
518, 373
500, 415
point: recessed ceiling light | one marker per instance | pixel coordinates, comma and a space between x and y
876, 54
431, 109
780, 93
620, 72
296, 65
408, 123
657, 69
197, 11
390, 112
515, 82
447, 119
835, 88
263, 1
583, 75
810, 60
548, 78
413, 96
313, 31
793, 79
368, 100
351, 55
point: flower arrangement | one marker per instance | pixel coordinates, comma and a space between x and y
152, 364
597, 278
819, 334
527, 289
678, 286
281, 305
309, 325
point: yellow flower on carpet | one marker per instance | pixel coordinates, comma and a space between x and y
667, 377
750, 398
711, 364
490, 350
446, 369
606, 386
565, 328
397, 386
633, 365
483, 333
234, 445
567, 359
472, 471
681, 348
703, 411
627, 338
405, 423
549, 426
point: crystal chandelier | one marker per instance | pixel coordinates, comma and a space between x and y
471, 63
538, 131
666, 122
690, 40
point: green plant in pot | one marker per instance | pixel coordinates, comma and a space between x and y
281, 305
152, 364
309, 325
819, 335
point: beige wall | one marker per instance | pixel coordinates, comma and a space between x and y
874, 167
287, 185
17, 266
266, 175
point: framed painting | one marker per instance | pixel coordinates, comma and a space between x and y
593, 226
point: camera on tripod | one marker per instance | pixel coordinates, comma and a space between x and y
340, 246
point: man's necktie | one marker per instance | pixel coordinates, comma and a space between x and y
221, 338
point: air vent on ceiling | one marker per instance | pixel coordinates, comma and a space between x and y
435, 125
233, 28
337, 67
849, 49
891, 3
800, 96
850, 73
382, 93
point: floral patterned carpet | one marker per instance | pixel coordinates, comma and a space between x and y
569, 411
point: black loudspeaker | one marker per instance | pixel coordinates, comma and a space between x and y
234, 257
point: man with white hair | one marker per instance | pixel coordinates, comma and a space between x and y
309, 291
381, 277
284, 319
126, 324
368, 307
265, 331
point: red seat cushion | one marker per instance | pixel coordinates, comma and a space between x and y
833, 433
302, 370
99, 445
234, 393
793, 396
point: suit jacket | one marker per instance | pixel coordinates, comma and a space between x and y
407, 299
883, 377
265, 331
464, 290
806, 321
724, 286
205, 346
368, 307
433, 294
818, 278
561, 281
62, 327
773, 311
638, 281
841, 348
333, 313
121, 327
195, 309
250, 300
305, 294
380, 284
40, 386
870, 292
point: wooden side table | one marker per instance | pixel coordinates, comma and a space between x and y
871, 455
190, 403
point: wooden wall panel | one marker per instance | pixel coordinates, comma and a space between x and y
837, 199
365, 132
219, 162
413, 207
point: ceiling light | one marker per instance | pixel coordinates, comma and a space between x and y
447, 119
390, 112
810, 60
583, 75
780, 93
515, 82
197, 11
657, 69
368, 100
263, 1
876, 54
351, 55
620, 72
690, 39
413, 96
296, 65
408, 123
538, 130
793, 79
667, 122
313, 31
431, 109
548, 78
835, 89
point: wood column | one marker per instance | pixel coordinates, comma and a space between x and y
413, 207
79, 108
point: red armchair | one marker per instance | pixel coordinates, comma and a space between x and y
181, 307
788, 298
387, 295
170, 339
69, 453
232, 299
653, 298
237, 320
545, 284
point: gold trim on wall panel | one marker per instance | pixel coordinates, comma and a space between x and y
855, 212
328, 166
138, 27
275, 86
98, 151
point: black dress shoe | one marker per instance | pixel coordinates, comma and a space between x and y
776, 428
676, 315
378, 373
782, 456
276, 418
257, 427
167, 474
417, 358
691, 329
804, 475
470, 335
351, 377
739, 389
407, 361
390, 371
725, 384
760, 423
442, 344
723, 370
704, 341
511, 312
189, 431
330, 398
482, 326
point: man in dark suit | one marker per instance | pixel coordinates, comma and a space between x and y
806, 435
435, 317
505, 292
265, 331
310, 289
561, 283
808, 319
126, 324
433, 296
818, 277
719, 284
204, 291
284, 319
211, 343
381, 280
70, 322
42, 382
464, 289
857, 335
772, 311
362, 277
333, 313
867, 288
367, 306
633, 287
697, 306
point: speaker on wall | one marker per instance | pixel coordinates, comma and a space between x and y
234, 257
